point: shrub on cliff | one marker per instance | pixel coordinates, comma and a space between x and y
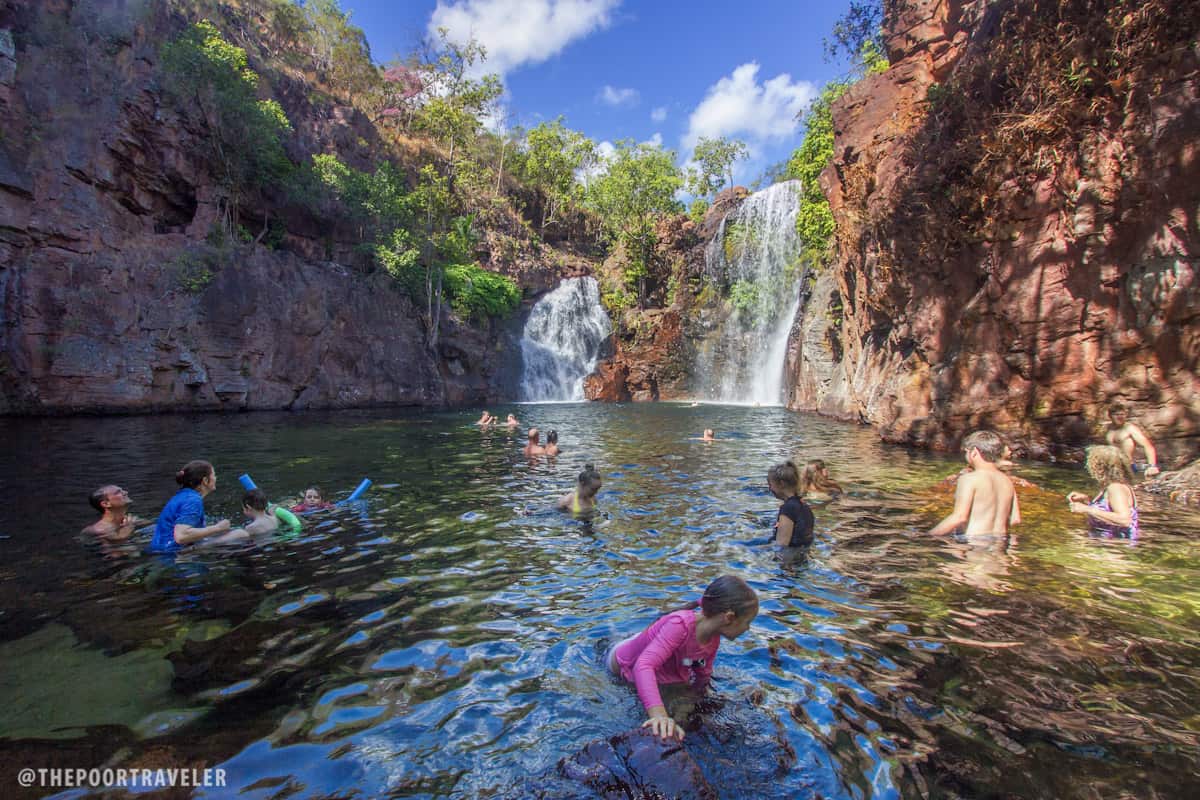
814, 220
243, 134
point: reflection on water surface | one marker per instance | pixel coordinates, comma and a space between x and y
441, 639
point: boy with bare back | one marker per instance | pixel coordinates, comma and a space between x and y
984, 501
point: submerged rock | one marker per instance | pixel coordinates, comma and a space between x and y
637, 764
1181, 486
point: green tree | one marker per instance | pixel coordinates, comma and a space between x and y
714, 164
814, 221
456, 104
553, 156
339, 49
243, 135
857, 31
637, 187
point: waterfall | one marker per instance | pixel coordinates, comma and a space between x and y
755, 257
562, 340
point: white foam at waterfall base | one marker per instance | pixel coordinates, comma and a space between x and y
562, 340
744, 364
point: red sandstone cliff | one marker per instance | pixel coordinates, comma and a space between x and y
1016, 202
112, 295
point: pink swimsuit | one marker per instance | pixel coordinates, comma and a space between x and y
666, 652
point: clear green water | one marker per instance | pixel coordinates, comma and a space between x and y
434, 642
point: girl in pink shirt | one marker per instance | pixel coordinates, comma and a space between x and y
680, 647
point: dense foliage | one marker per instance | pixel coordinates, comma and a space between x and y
714, 159
814, 221
244, 135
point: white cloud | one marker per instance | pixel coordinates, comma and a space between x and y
654, 141
604, 153
611, 95
659, 114
741, 107
518, 32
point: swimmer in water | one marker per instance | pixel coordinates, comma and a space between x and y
533, 447
681, 646
254, 506
116, 524
985, 501
552, 443
709, 435
815, 481
511, 422
182, 519
1115, 509
583, 499
314, 500
485, 419
794, 522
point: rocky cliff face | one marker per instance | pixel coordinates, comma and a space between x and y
1017, 205
113, 295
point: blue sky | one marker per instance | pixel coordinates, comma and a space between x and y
650, 70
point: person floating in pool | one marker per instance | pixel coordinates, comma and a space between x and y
116, 524
552, 443
583, 498
182, 520
816, 482
680, 647
1114, 511
254, 506
794, 522
533, 447
1126, 436
985, 502
314, 500
511, 422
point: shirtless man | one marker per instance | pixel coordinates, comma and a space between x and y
116, 524
485, 419
1127, 437
511, 422
533, 448
985, 500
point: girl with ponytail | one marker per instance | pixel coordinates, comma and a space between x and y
680, 647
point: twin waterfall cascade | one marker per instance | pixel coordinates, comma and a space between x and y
755, 254
562, 340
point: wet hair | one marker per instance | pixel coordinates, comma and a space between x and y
533, 434
785, 476
1107, 464
988, 443
99, 496
316, 489
1117, 408
815, 477
193, 474
726, 593
256, 499
552, 437
589, 481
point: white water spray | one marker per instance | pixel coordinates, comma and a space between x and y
755, 253
562, 340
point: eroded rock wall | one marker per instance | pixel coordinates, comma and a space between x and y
114, 295
1017, 205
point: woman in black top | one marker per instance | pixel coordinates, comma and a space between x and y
794, 524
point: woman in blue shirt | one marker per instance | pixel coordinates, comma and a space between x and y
182, 520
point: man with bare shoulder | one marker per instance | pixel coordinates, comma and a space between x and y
116, 524
534, 447
1126, 436
984, 501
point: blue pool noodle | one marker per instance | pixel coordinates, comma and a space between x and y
247, 482
357, 493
